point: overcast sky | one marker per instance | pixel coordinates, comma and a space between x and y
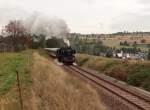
84, 16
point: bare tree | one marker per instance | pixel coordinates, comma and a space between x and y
15, 28
17, 33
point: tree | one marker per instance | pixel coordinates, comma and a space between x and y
55, 43
134, 43
148, 56
109, 53
125, 43
143, 41
17, 33
15, 28
38, 41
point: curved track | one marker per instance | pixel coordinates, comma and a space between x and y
137, 100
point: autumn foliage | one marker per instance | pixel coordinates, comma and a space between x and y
17, 35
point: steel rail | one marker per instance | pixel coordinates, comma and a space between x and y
88, 75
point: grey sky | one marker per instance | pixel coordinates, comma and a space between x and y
85, 16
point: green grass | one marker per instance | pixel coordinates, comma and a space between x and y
133, 73
9, 64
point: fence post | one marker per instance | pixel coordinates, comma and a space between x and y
19, 88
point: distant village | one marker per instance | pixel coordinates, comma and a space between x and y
125, 53
130, 56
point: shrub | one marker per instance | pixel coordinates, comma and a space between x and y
140, 79
83, 61
148, 56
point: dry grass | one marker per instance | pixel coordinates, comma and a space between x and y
53, 89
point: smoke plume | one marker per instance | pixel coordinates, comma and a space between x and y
38, 23
66, 41
35, 23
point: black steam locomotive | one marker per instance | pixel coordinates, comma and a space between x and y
63, 54
66, 55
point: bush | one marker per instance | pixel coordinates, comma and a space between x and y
140, 80
83, 61
148, 56
135, 79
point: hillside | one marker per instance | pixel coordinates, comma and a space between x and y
115, 41
136, 73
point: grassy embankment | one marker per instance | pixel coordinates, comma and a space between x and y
9, 64
136, 73
54, 89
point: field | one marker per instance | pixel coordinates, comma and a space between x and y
136, 73
115, 41
9, 64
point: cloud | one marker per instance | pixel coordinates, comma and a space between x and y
131, 22
88, 1
9, 13
144, 1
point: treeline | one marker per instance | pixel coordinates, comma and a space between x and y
131, 50
16, 38
93, 47
40, 41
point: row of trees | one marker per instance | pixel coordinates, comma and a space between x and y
132, 50
125, 43
16, 36
92, 47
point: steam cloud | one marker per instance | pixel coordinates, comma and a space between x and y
50, 26
66, 41
36, 23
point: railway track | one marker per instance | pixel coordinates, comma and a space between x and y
138, 101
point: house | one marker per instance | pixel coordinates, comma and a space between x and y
119, 55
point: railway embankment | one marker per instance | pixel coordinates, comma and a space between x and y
116, 94
136, 73
53, 88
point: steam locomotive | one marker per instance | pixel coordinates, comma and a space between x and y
64, 55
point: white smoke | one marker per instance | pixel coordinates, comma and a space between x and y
66, 41
39, 23
35, 23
